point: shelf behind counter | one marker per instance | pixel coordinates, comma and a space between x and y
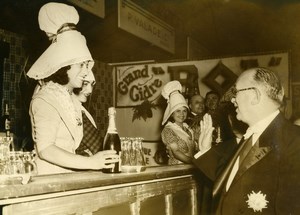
157, 190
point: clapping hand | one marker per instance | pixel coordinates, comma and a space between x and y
206, 129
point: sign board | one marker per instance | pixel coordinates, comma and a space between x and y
137, 88
144, 25
136, 83
96, 7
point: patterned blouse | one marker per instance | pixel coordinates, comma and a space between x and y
183, 137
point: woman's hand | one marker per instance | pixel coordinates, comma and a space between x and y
104, 159
61, 157
206, 130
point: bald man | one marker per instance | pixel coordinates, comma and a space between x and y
196, 105
265, 178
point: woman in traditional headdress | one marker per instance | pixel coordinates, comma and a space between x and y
53, 16
176, 135
57, 17
55, 115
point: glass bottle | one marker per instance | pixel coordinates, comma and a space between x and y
112, 141
5, 121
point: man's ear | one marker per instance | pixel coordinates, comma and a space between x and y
255, 101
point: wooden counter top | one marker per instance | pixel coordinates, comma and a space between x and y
69, 183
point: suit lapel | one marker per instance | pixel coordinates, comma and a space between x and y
263, 146
255, 154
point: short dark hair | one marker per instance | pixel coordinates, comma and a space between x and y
61, 76
213, 93
192, 96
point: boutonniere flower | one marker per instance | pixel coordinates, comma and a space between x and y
257, 201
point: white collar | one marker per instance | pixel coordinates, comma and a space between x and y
173, 124
193, 113
259, 127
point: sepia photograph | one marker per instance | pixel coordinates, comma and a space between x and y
149, 107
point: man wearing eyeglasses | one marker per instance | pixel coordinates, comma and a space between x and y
262, 173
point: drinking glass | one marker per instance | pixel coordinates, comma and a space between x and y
5, 143
140, 160
132, 156
125, 155
15, 163
29, 163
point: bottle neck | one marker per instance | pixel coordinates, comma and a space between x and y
6, 110
112, 124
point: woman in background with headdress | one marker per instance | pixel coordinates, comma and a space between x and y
176, 134
55, 115
91, 141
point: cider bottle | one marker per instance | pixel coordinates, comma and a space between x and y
112, 141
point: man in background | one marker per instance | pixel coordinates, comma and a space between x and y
212, 101
219, 114
196, 105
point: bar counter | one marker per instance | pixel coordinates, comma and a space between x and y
157, 190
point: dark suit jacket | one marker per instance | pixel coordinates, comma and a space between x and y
271, 167
190, 118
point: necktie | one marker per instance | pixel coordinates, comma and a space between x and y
91, 141
245, 150
243, 146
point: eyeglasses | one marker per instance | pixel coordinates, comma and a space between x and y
234, 91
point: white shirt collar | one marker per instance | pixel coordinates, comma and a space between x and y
258, 128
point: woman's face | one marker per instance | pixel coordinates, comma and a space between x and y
180, 115
76, 74
87, 88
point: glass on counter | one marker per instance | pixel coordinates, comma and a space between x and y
29, 163
5, 143
132, 156
125, 155
15, 163
140, 160
20, 162
17, 167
